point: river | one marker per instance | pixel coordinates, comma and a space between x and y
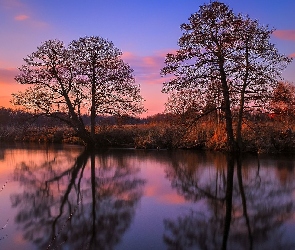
62, 197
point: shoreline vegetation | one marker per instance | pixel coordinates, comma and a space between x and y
262, 133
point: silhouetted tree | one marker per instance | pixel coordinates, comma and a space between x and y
230, 54
87, 75
283, 100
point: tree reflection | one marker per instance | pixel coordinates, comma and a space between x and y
86, 206
244, 208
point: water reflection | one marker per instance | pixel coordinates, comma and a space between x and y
64, 198
88, 205
238, 205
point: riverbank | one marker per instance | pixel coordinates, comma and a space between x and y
267, 137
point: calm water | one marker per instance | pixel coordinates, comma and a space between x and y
64, 198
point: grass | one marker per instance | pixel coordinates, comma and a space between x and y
258, 136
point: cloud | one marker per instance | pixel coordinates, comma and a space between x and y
21, 17
285, 34
15, 7
147, 74
32, 23
147, 68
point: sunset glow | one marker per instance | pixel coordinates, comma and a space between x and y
144, 31
21, 17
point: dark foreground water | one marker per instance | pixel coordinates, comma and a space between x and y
64, 198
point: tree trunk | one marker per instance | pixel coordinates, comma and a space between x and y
93, 106
242, 101
231, 145
93, 112
240, 118
78, 124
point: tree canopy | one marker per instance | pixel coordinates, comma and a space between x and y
227, 53
283, 100
87, 76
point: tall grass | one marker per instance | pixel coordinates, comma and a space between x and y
264, 135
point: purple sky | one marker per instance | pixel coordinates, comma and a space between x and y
144, 30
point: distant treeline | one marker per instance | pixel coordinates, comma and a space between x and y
262, 132
11, 117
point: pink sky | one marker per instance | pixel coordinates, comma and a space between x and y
145, 31
147, 74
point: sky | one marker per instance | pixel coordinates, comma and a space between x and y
144, 30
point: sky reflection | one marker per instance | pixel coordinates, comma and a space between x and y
64, 198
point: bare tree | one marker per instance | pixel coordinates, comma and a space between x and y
232, 52
109, 82
86, 76
283, 100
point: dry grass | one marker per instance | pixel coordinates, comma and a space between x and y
258, 136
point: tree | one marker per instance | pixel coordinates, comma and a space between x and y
87, 75
283, 100
230, 54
